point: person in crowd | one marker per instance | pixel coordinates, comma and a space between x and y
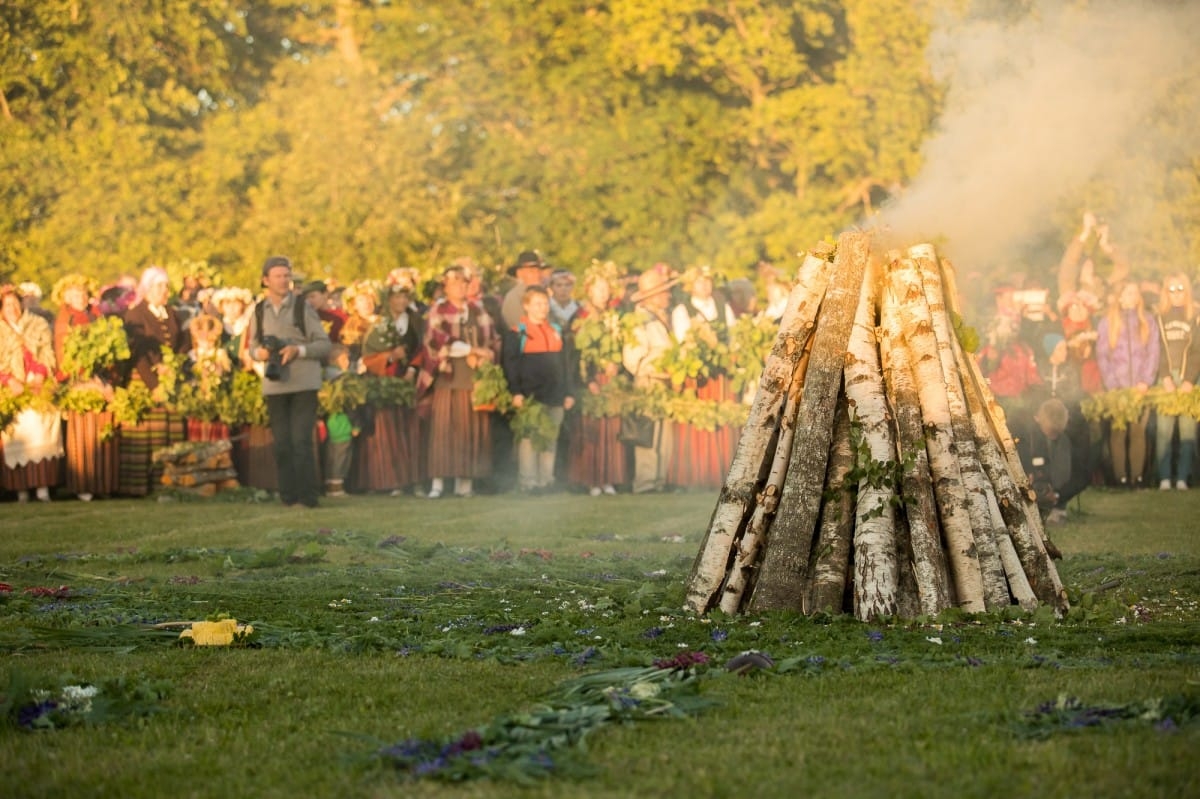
596, 456
701, 305
1008, 363
233, 306
1077, 269
459, 337
528, 272
73, 293
536, 364
1127, 352
362, 314
341, 428
1178, 372
287, 338
392, 347
33, 446
1073, 376
563, 306
650, 337
775, 290
316, 294
152, 324
1046, 453
739, 293
31, 301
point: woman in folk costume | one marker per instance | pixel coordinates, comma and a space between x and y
235, 304
1127, 351
32, 442
1178, 372
459, 336
703, 319
649, 339
362, 307
91, 456
596, 457
388, 456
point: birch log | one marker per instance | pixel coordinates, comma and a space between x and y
962, 555
785, 561
875, 570
745, 472
975, 483
835, 530
924, 530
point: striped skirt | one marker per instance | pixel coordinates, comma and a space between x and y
93, 461
460, 438
138, 475
389, 457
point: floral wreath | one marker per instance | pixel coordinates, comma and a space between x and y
73, 280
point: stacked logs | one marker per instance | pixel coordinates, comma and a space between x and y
201, 468
876, 473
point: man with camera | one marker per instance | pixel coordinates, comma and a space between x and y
287, 338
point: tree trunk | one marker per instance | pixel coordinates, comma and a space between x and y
835, 535
764, 424
785, 562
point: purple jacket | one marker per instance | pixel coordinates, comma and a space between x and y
1130, 361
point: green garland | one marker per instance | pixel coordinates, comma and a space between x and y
750, 342
1124, 406
81, 398
131, 403
700, 354
491, 388
599, 339
241, 400
386, 392
342, 395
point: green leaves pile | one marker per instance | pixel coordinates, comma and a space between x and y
93, 348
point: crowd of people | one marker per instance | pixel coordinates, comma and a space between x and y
1096, 373
589, 367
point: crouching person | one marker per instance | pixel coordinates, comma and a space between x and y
287, 340
1049, 453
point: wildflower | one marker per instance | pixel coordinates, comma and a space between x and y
644, 690
1031, 641
875, 636
934, 640
719, 635
372, 619
517, 631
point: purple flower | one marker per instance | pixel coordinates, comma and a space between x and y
719, 635
874, 636
653, 632
28, 715
583, 657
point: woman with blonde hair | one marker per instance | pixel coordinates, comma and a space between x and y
1178, 371
1127, 348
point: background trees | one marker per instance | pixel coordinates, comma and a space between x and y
358, 135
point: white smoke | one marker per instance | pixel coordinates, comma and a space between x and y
1034, 110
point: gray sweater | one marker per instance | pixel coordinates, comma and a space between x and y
304, 372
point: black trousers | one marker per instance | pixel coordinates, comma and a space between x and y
293, 417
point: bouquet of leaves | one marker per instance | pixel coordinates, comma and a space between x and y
614, 397
169, 370
599, 338
705, 415
95, 348
533, 422
86, 397
1121, 406
750, 341
131, 403
342, 395
241, 401
700, 355
491, 388
10, 405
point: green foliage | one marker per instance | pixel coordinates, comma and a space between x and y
386, 392
95, 348
599, 338
131, 403
491, 388
532, 421
342, 395
1121, 407
82, 398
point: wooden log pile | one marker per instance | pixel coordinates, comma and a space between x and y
201, 468
876, 474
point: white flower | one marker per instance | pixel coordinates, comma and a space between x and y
517, 631
1031, 641
934, 640
682, 645
76, 692
644, 690
373, 619
756, 624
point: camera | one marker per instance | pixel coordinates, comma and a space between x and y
274, 345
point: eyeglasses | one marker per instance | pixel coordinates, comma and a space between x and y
1176, 288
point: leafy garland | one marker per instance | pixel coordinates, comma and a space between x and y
521, 746
1124, 406
700, 354
347, 392
600, 339
490, 389
750, 342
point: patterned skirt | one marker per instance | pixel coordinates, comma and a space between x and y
460, 438
138, 475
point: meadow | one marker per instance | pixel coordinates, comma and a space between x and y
387, 626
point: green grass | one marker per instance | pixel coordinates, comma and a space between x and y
382, 619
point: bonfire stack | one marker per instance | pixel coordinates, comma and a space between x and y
876, 474
198, 467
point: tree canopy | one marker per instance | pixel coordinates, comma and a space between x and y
360, 135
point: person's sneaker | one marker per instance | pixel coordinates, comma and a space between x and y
595, 491
43, 494
1181, 485
337, 492
610, 490
85, 497
1164, 485
435, 494
22, 497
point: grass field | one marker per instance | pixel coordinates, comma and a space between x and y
378, 620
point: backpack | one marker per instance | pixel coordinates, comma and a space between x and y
298, 309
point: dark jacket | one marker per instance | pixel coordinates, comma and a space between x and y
537, 363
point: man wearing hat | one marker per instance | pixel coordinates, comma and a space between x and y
286, 337
528, 271
649, 339
316, 294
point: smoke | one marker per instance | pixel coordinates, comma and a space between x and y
1035, 110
